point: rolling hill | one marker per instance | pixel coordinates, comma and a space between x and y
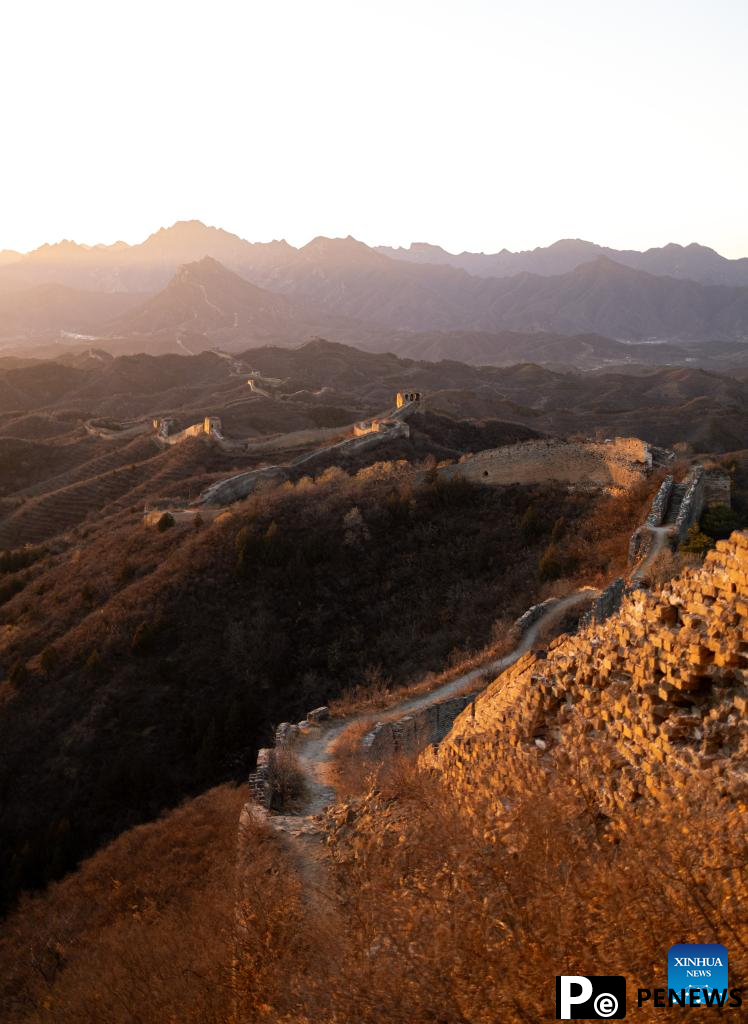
325, 383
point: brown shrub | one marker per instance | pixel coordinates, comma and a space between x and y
352, 770
287, 779
143, 931
468, 917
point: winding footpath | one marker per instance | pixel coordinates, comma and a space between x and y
302, 830
315, 748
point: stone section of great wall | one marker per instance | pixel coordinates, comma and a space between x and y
414, 731
656, 692
621, 462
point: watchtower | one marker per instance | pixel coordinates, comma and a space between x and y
407, 397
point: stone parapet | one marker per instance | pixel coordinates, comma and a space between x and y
660, 503
414, 731
693, 503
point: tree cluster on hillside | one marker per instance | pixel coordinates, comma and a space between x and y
158, 666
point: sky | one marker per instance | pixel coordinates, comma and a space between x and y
473, 124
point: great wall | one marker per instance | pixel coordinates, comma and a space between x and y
445, 720
457, 724
620, 462
426, 717
657, 691
646, 689
635, 708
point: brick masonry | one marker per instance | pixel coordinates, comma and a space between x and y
658, 691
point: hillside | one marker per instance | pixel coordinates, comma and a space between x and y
145, 675
79, 438
601, 296
207, 304
137, 672
554, 825
36, 311
561, 352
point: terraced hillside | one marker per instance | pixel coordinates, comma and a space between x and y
65, 500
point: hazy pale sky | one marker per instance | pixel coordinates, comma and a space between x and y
475, 124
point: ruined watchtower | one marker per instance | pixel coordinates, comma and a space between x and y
407, 397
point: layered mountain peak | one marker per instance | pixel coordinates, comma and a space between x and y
340, 250
427, 247
190, 236
570, 245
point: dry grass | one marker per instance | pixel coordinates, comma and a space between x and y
351, 769
142, 931
375, 693
287, 779
466, 918
438, 916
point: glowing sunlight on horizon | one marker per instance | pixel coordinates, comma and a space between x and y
474, 125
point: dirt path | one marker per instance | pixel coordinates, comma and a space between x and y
661, 535
315, 749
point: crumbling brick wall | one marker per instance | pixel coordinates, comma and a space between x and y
659, 690
414, 731
693, 503
620, 463
660, 503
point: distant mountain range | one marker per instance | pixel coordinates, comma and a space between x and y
218, 289
694, 262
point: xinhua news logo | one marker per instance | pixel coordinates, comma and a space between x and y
696, 976
697, 967
581, 997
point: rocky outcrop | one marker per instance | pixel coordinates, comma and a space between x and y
656, 692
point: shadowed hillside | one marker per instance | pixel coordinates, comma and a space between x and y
146, 675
